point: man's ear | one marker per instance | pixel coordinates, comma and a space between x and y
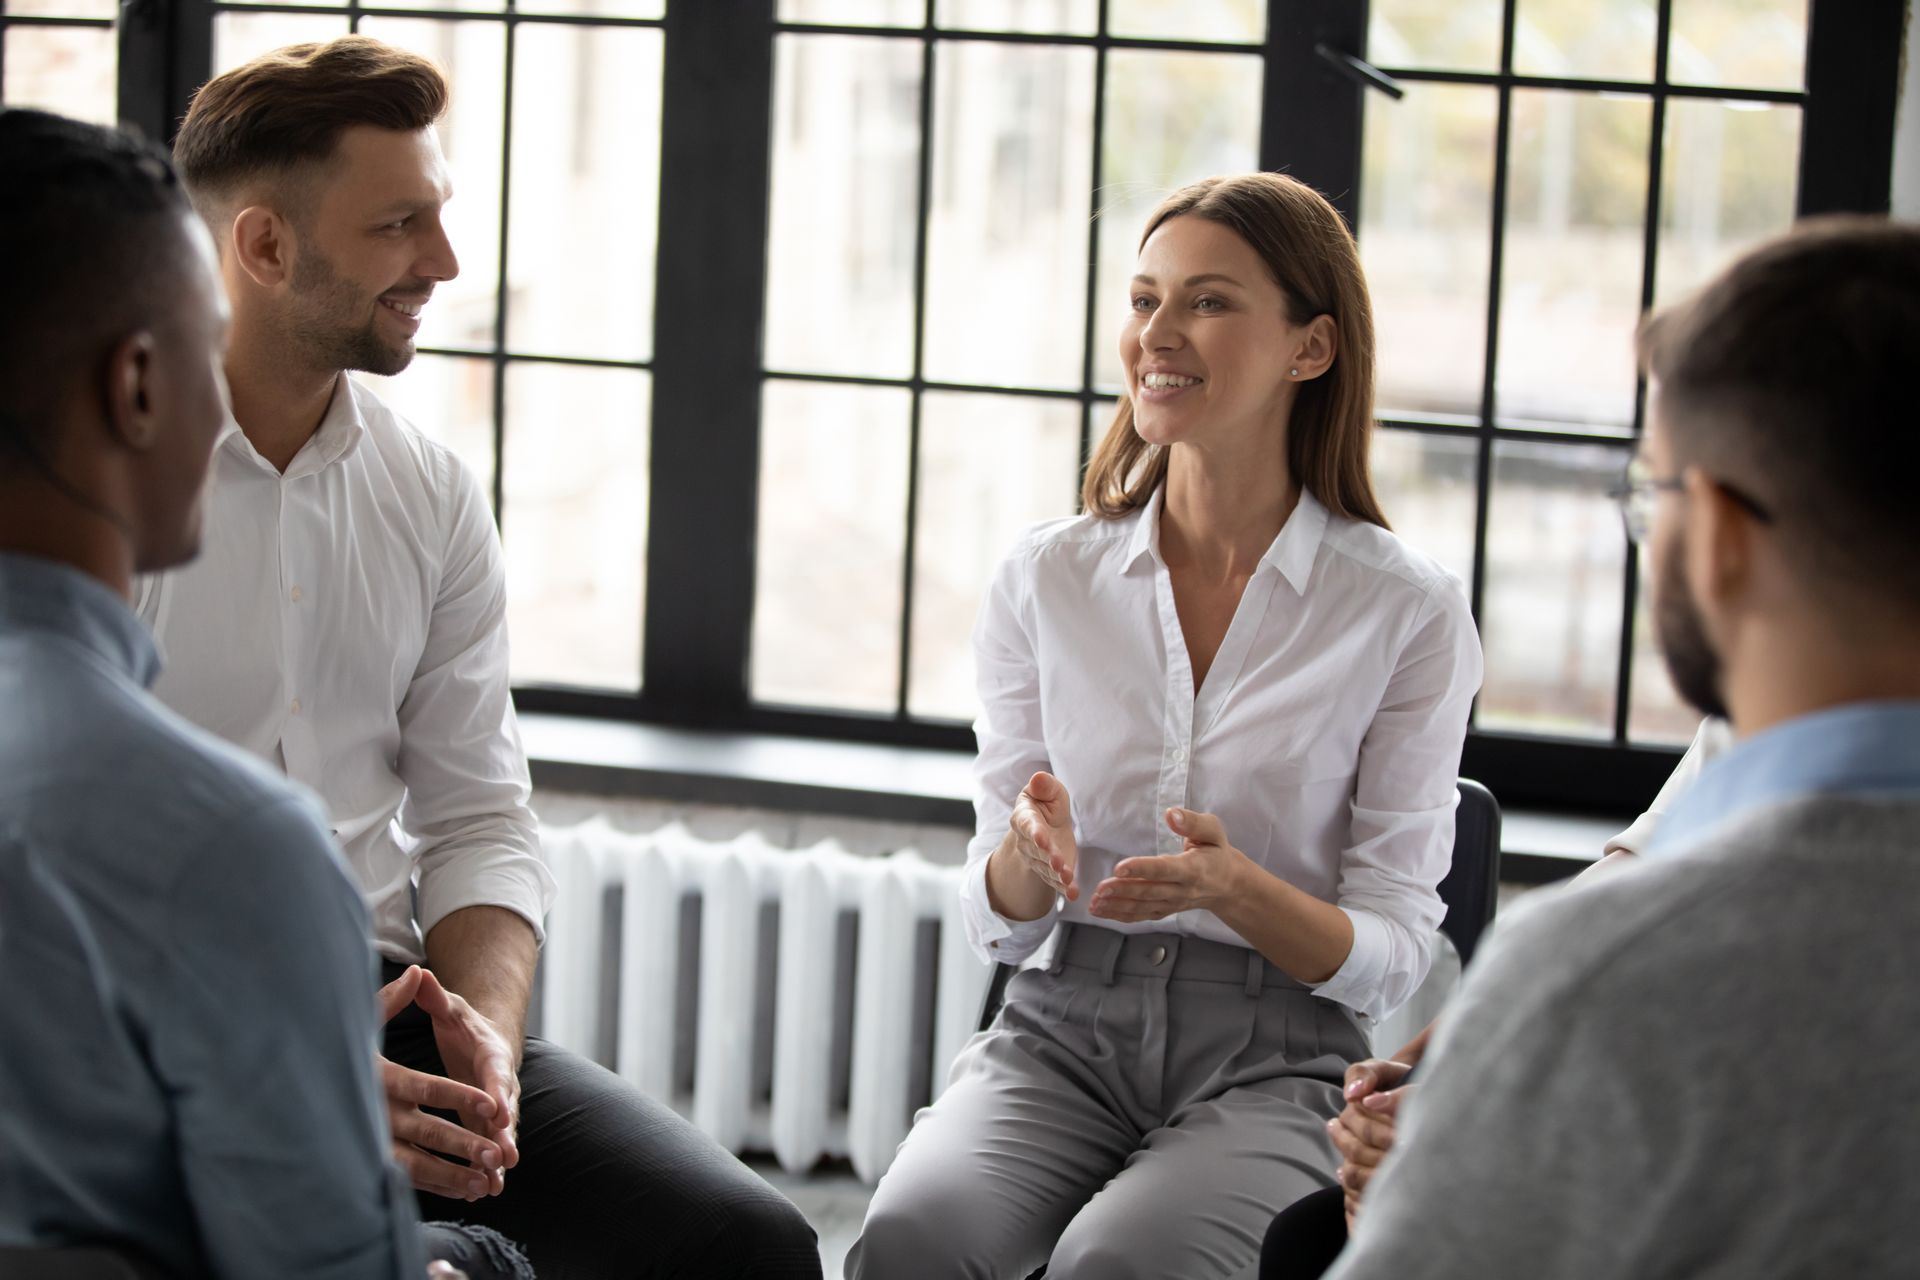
133, 411
262, 245
1318, 344
1719, 540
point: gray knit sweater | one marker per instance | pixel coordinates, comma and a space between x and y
1709, 1066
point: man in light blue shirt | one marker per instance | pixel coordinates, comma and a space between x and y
1698, 1068
187, 1013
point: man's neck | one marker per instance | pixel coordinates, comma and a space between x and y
1792, 675
47, 526
278, 401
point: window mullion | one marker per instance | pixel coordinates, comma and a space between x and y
715, 166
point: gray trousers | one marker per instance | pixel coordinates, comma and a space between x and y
1142, 1108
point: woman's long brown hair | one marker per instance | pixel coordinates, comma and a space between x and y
1312, 257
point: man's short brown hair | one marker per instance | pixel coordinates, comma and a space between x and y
1792, 377
286, 110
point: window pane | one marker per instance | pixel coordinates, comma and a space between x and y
1752, 44
1556, 566
1456, 34
990, 466
450, 398
856, 13
1727, 179
65, 69
576, 522
1427, 486
1610, 41
1223, 20
242, 37
1426, 229
481, 6
1656, 713
1007, 244
832, 540
1171, 118
585, 190
1072, 17
595, 8
844, 209
474, 56
1570, 288
107, 9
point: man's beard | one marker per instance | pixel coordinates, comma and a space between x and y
1691, 661
328, 334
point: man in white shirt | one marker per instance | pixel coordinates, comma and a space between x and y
347, 623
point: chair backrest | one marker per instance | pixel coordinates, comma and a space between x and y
1470, 890
92, 1262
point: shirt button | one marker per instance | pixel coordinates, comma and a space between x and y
1179, 755
295, 593
1157, 955
296, 706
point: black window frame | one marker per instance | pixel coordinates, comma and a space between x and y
715, 172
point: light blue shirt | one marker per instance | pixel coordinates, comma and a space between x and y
1864, 747
187, 1015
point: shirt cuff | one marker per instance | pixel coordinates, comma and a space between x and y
996, 939
524, 890
1357, 982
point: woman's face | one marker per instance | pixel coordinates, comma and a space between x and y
1206, 344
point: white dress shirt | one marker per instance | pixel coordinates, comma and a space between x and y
1326, 737
346, 622
1714, 738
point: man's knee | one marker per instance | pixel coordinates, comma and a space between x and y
759, 1232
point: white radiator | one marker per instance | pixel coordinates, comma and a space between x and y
803, 1001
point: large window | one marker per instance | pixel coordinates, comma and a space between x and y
778, 319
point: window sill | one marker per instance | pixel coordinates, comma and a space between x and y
888, 783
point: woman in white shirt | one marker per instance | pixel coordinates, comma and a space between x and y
1223, 713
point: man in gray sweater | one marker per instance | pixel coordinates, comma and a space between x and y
1700, 1069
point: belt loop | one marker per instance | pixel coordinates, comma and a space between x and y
1115, 941
1256, 971
1062, 936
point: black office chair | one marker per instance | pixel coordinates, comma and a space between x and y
1470, 890
77, 1263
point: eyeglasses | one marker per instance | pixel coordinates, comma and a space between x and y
1639, 490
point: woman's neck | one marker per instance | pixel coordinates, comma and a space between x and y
1221, 513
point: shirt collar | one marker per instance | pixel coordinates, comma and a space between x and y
1292, 554
42, 595
341, 429
1863, 746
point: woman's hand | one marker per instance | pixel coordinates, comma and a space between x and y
1036, 860
1205, 873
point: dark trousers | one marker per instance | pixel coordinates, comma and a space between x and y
612, 1184
1305, 1237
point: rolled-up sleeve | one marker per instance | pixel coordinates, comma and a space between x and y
469, 796
1012, 741
1401, 836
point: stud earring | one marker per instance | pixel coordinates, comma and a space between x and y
1293, 373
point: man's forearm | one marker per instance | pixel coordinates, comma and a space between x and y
487, 956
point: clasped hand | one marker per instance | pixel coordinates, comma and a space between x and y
1363, 1132
481, 1087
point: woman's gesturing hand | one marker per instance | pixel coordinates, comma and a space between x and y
1201, 876
1042, 827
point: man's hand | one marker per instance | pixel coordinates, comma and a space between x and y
476, 1053
417, 1136
1202, 875
1363, 1133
